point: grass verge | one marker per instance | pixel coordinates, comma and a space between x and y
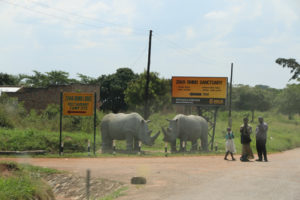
23, 182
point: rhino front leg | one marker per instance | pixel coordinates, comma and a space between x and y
173, 147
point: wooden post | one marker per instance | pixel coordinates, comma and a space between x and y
95, 117
146, 109
60, 122
214, 128
230, 98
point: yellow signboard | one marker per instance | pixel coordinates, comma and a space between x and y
199, 90
80, 104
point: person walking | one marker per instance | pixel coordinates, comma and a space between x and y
230, 147
261, 139
245, 131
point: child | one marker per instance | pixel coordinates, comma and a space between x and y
230, 147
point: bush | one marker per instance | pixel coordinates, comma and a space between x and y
5, 121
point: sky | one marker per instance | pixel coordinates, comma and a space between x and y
190, 38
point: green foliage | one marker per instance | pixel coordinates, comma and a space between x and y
292, 64
289, 100
252, 98
7, 79
112, 89
23, 183
158, 97
49, 78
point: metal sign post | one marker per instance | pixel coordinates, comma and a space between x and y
77, 104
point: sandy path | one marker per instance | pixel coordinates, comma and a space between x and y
203, 177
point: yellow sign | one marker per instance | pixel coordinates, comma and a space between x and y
199, 90
81, 104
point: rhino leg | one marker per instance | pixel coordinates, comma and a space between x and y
173, 147
182, 149
129, 143
106, 145
204, 143
135, 144
106, 141
194, 145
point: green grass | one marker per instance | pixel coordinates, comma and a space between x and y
116, 194
283, 134
23, 182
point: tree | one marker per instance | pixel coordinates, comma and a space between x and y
251, 98
86, 79
290, 63
159, 93
7, 79
289, 100
112, 89
50, 78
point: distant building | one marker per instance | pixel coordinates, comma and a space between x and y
40, 98
8, 88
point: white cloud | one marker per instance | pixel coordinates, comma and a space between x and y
216, 15
285, 12
190, 33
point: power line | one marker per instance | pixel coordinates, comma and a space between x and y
180, 50
139, 57
63, 18
81, 16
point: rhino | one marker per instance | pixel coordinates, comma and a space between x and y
186, 128
130, 127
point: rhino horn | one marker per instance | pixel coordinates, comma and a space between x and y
155, 136
148, 121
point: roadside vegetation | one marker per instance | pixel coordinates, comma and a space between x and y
283, 134
23, 182
123, 91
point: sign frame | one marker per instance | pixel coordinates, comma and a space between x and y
199, 91
90, 111
78, 104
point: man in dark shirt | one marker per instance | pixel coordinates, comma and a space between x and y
245, 131
261, 139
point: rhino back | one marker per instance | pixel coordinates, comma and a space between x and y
192, 126
119, 125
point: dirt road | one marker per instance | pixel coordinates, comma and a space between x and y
205, 177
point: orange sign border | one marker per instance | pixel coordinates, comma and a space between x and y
83, 107
199, 90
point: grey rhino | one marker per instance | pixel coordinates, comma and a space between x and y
186, 128
130, 127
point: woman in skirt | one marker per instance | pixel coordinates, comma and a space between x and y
230, 147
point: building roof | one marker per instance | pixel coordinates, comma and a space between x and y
9, 89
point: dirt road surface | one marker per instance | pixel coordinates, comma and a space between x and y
193, 177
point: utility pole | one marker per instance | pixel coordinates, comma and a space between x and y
230, 100
146, 109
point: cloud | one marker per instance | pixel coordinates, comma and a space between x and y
190, 33
216, 15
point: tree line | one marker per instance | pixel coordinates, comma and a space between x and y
125, 90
